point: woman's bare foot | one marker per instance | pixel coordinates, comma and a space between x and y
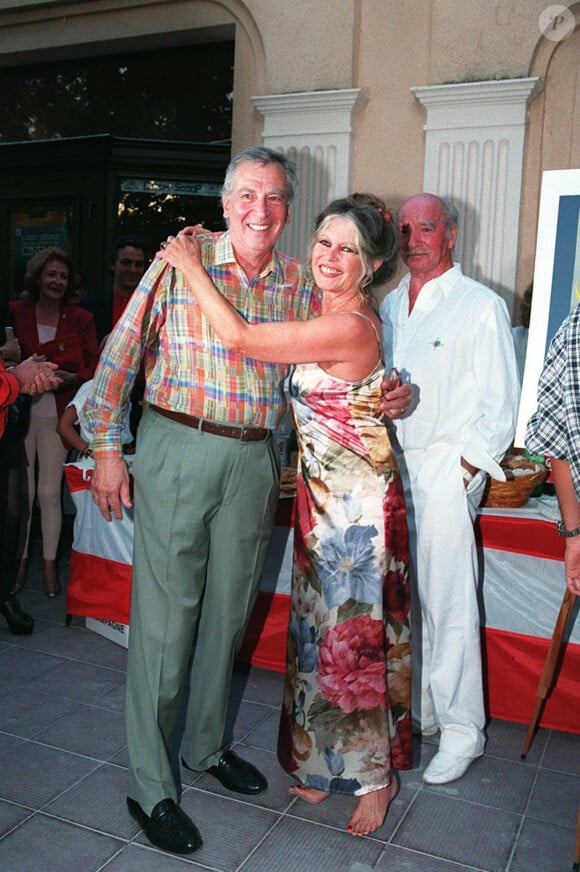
371, 810
310, 794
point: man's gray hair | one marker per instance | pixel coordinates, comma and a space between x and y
450, 215
261, 155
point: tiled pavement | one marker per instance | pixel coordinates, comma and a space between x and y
63, 781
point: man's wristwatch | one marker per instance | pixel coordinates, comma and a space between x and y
562, 531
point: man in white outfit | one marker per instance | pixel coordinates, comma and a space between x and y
451, 337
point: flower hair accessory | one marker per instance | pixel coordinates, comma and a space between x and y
385, 213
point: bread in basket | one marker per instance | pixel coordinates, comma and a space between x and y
522, 476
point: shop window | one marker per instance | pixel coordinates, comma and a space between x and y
156, 207
128, 95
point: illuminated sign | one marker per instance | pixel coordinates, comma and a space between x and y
174, 187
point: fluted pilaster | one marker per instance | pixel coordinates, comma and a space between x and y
475, 137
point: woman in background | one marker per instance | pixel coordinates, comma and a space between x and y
46, 324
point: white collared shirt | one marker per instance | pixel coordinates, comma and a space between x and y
456, 348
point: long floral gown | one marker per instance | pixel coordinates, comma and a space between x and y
346, 716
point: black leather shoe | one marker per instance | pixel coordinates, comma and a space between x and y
19, 622
238, 775
169, 828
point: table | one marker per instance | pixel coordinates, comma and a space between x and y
522, 584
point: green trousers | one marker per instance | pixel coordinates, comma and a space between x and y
204, 512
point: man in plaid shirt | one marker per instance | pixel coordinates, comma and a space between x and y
206, 488
554, 430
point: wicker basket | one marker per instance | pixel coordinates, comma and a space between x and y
515, 491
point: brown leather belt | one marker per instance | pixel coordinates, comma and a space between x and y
243, 434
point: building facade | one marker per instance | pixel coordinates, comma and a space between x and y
469, 100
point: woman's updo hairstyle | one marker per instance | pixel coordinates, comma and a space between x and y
376, 231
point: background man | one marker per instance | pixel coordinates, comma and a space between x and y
452, 338
206, 488
127, 262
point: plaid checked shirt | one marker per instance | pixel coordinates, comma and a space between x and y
554, 428
187, 369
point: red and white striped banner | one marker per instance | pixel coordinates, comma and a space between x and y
523, 586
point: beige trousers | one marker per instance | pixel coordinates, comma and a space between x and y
43, 445
204, 511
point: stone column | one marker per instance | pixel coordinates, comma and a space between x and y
474, 150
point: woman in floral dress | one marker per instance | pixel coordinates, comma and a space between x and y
345, 721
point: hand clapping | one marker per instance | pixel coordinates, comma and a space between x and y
36, 376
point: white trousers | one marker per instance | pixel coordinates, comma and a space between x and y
447, 679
